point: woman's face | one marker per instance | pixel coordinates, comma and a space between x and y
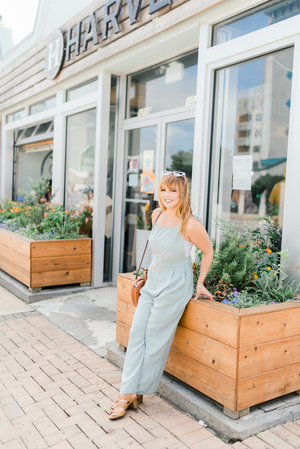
169, 197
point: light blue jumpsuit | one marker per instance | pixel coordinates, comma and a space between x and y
162, 302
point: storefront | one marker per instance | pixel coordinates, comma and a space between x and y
210, 88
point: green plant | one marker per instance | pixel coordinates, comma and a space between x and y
140, 224
38, 190
245, 271
274, 285
40, 219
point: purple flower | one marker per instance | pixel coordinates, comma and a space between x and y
235, 294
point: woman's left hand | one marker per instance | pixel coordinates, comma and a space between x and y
201, 291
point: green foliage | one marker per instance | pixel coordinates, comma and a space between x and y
140, 224
182, 161
40, 219
273, 285
245, 271
38, 190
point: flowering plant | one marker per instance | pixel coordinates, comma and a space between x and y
247, 270
40, 220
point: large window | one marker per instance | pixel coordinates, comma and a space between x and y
80, 164
42, 105
166, 86
250, 140
82, 90
15, 116
260, 17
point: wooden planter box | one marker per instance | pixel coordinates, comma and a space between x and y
238, 357
45, 263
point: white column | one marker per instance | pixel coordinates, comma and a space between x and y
59, 150
101, 154
201, 140
118, 227
7, 149
291, 216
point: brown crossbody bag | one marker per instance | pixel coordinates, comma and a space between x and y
139, 283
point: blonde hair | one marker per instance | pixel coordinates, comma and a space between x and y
184, 209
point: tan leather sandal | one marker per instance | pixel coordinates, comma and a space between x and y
139, 398
123, 403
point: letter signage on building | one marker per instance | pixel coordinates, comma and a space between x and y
54, 54
112, 11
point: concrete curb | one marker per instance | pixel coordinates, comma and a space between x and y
203, 408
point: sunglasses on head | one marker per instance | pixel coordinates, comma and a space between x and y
178, 174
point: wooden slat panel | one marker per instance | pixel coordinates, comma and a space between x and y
125, 311
46, 279
122, 334
266, 357
52, 248
210, 382
19, 244
209, 352
258, 389
124, 284
271, 326
269, 308
211, 322
17, 272
14, 257
73, 262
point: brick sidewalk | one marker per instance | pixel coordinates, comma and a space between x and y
55, 392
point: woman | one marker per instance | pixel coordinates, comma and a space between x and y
166, 293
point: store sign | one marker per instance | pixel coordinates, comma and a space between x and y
54, 54
112, 12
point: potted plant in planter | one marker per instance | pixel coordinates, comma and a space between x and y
40, 243
241, 349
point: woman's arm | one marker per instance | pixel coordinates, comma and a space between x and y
196, 233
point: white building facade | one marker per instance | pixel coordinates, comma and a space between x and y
102, 103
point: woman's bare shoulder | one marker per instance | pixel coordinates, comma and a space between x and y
155, 214
194, 224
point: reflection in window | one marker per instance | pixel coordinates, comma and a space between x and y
248, 170
140, 186
82, 90
80, 165
255, 19
42, 105
15, 116
179, 147
166, 86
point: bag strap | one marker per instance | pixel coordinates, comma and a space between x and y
146, 246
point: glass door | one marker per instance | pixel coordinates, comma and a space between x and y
139, 190
179, 146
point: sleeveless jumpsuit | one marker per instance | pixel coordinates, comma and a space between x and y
162, 302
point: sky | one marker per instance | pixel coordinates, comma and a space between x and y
18, 15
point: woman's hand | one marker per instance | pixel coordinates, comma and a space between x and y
201, 291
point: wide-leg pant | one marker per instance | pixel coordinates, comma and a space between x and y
153, 327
